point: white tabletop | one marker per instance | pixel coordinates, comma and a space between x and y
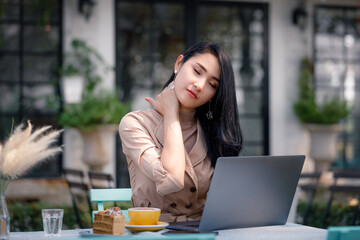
289, 231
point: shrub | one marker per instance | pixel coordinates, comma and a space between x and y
308, 110
340, 214
26, 217
103, 108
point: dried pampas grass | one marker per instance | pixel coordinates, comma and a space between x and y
25, 149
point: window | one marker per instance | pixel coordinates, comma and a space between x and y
30, 54
151, 34
337, 70
149, 37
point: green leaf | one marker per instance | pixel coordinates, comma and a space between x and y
102, 108
308, 110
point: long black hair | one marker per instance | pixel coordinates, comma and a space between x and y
222, 133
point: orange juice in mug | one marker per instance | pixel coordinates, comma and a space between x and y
144, 215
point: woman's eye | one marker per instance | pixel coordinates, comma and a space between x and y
212, 85
196, 71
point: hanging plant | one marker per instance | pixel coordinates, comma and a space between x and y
85, 61
97, 106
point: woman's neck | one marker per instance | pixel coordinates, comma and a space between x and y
186, 117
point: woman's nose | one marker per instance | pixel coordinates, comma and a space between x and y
199, 84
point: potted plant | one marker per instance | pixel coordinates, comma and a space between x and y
321, 120
98, 112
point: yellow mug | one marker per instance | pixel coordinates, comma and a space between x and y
144, 215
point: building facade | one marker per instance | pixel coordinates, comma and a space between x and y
266, 41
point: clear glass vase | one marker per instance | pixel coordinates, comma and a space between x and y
4, 212
4, 218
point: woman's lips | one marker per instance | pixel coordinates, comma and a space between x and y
191, 93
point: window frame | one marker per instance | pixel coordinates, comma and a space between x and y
21, 115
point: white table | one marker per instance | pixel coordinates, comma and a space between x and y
289, 231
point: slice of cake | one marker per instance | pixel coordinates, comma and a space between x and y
110, 221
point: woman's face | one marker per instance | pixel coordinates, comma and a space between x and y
196, 81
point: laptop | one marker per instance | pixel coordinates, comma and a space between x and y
248, 192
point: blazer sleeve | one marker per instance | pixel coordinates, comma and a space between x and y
140, 147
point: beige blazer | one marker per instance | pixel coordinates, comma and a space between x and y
142, 136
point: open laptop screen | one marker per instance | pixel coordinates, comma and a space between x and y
250, 192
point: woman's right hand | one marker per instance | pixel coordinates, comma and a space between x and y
166, 102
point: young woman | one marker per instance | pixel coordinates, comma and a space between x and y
172, 149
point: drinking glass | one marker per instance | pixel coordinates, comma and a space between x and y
52, 221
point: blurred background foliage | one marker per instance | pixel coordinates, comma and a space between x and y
341, 214
26, 217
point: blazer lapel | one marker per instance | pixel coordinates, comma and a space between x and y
199, 151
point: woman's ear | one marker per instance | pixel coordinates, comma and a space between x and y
178, 62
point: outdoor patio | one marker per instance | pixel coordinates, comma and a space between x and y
117, 52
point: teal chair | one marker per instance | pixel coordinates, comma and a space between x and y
343, 233
110, 195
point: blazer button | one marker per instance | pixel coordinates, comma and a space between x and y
189, 205
173, 205
193, 189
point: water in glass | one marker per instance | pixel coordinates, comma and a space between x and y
52, 221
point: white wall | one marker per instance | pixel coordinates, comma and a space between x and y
288, 45
99, 32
